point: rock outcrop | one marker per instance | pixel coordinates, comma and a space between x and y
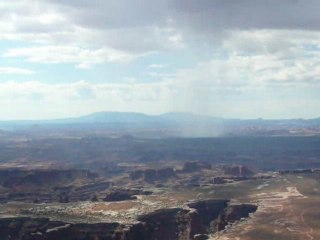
173, 223
233, 213
44, 229
237, 171
194, 222
152, 175
50, 185
205, 213
124, 194
195, 166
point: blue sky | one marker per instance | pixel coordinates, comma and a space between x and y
233, 59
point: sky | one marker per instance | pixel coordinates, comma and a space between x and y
225, 58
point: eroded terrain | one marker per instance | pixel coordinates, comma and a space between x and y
194, 200
143, 189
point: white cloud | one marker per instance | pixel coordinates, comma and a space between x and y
14, 70
259, 67
46, 24
142, 26
260, 58
24, 99
260, 70
83, 58
276, 56
157, 66
56, 38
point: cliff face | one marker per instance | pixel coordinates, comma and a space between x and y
233, 213
195, 166
124, 194
177, 223
202, 218
152, 175
237, 171
205, 212
44, 229
49, 185
191, 223
164, 224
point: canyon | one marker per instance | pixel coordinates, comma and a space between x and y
196, 220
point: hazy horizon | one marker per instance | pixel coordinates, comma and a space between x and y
232, 59
152, 115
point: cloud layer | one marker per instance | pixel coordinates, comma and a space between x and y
242, 56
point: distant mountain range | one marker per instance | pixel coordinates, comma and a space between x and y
111, 117
127, 117
120, 117
174, 121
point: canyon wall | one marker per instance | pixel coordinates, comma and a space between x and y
193, 222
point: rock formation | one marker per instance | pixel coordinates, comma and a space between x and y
194, 222
124, 194
195, 166
152, 175
233, 213
237, 171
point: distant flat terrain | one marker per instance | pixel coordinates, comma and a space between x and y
268, 153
